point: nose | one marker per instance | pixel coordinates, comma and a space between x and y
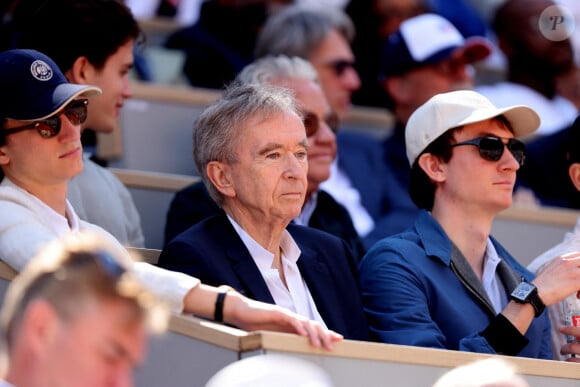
463, 73
296, 168
351, 79
68, 130
508, 161
324, 134
122, 378
127, 91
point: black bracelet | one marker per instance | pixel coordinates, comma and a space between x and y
218, 315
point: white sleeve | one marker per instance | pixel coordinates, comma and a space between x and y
169, 286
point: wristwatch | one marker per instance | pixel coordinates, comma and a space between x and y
526, 293
219, 302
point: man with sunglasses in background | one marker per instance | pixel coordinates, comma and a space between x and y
40, 150
445, 282
100, 56
358, 179
251, 151
425, 56
320, 210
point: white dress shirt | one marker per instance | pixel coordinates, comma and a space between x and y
296, 297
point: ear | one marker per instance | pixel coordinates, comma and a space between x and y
219, 174
396, 88
40, 325
433, 167
574, 173
4, 158
81, 72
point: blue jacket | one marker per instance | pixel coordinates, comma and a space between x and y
415, 293
213, 252
386, 200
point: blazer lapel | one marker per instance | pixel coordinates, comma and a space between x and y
319, 282
244, 267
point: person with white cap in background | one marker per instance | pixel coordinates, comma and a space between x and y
427, 55
445, 282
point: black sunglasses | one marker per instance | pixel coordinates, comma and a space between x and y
491, 148
339, 66
75, 111
312, 124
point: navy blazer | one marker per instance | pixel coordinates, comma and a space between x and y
387, 201
213, 252
193, 204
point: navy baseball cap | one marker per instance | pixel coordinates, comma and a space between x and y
428, 39
32, 87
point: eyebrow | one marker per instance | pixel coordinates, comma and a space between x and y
274, 145
269, 147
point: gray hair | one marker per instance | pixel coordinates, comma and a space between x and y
219, 128
268, 69
299, 30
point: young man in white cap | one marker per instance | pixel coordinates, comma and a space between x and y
445, 282
40, 150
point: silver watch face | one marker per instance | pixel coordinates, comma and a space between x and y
523, 291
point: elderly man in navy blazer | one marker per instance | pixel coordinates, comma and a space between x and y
250, 148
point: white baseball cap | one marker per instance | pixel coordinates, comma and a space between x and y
457, 108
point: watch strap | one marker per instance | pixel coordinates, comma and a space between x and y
218, 315
532, 298
536, 303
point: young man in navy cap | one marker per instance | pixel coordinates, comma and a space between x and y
445, 282
40, 151
100, 56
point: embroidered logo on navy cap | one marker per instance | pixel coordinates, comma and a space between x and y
41, 70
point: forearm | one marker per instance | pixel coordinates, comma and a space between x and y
200, 301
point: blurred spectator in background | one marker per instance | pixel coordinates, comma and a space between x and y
570, 244
534, 63
183, 12
13, 14
545, 174
77, 315
374, 21
490, 372
358, 180
322, 36
427, 55
222, 40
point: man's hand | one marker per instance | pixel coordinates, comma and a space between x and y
571, 348
253, 315
559, 278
